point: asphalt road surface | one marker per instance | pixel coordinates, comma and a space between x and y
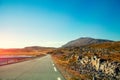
37, 69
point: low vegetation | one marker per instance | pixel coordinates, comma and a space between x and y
80, 63
28, 51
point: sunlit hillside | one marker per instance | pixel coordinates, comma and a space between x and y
107, 45
74, 60
30, 51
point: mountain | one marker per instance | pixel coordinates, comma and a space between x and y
30, 50
85, 41
37, 48
98, 58
108, 45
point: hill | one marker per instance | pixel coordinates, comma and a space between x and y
100, 61
38, 48
31, 51
108, 45
85, 41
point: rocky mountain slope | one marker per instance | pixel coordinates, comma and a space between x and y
95, 61
85, 41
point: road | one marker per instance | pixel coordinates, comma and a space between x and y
37, 69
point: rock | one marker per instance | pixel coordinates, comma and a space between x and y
99, 67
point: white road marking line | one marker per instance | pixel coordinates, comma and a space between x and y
55, 69
53, 64
58, 78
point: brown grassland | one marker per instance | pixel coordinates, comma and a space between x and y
61, 57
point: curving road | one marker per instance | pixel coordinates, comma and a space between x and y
36, 69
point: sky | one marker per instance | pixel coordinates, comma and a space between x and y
53, 23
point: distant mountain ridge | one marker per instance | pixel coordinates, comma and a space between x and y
38, 47
85, 41
30, 50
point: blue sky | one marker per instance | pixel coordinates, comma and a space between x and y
55, 22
